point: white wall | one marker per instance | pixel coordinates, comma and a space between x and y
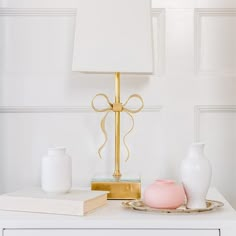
190, 97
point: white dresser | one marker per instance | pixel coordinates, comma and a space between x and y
114, 220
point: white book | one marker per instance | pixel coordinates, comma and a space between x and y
76, 202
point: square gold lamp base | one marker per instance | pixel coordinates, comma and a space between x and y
122, 188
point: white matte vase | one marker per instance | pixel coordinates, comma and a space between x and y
56, 171
196, 176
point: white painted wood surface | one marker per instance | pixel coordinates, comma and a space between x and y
111, 232
191, 95
114, 217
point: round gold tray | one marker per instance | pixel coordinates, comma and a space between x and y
140, 206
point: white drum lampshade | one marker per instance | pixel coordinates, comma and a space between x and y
113, 36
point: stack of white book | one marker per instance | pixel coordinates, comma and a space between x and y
76, 202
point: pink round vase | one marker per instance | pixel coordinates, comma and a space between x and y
164, 194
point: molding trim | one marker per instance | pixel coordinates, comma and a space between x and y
6, 11
61, 109
198, 110
37, 11
54, 12
198, 14
160, 54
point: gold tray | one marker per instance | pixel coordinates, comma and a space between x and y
140, 206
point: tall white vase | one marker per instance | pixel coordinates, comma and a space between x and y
56, 174
196, 176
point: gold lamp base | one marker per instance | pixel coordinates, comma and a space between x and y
118, 188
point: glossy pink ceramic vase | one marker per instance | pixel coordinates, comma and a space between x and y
164, 194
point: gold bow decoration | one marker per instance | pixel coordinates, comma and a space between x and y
116, 107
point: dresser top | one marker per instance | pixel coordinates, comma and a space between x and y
113, 215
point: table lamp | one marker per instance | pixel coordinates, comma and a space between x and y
114, 36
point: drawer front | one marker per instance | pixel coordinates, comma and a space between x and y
109, 232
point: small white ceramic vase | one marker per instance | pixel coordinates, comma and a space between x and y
196, 176
56, 171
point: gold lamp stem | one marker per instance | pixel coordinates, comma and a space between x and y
117, 127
